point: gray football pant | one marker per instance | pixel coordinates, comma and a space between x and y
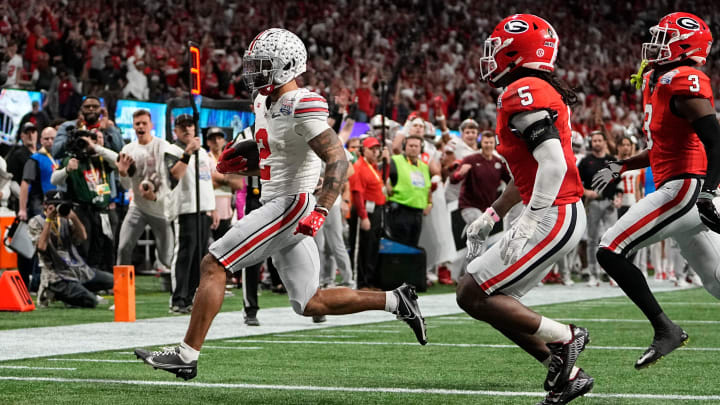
601, 216
134, 225
331, 246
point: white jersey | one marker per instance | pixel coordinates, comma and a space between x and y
282, 131
627, 186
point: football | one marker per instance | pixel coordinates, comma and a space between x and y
239, 156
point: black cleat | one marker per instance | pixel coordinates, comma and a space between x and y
576, 387
251, 321
319, 318
170, 361
563, 358
409, 311
661, 347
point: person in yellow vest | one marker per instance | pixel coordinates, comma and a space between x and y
409, 192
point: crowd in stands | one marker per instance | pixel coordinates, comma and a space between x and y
137, 49
425, 52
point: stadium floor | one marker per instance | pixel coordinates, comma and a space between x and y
85, 338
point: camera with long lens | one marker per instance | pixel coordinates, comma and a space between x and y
77, 147
63, 209
59, 200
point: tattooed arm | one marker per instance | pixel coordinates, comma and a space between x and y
327, 145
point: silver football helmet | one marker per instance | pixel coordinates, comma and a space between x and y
275, 57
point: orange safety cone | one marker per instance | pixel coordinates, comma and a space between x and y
14, 296
124, 290
8, 258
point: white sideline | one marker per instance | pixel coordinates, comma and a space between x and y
357, 389
101, 336
482, 345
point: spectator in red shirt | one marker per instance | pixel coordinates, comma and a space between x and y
363, 94
483, 173
368, 198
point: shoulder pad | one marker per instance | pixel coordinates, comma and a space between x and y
310, 104
687, 81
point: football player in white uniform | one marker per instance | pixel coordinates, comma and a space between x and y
292, 136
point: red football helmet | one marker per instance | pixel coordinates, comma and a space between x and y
521, 40
678, 36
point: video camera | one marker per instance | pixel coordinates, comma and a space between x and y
76, 147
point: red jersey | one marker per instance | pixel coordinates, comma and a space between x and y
529, 94
675, 148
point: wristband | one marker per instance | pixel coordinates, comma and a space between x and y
324, 211
491, 212
185, 158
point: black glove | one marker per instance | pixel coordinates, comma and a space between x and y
708, 213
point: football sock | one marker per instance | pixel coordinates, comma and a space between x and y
551, 331
187, 353
391, 301
631, 280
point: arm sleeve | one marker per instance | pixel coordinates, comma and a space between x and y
108, 155
535, 127
548, 180
58, 177
358, 202
30, 170
58, 148
393, 173
708, 130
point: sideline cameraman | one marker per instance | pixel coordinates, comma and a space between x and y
93, 118
86, 171
65, 275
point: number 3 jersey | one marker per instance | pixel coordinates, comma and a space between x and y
282, 131
675, 149
530, 94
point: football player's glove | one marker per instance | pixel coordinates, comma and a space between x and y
311, 224
478, 231
514, 240
239, 156
708, 213
606, 175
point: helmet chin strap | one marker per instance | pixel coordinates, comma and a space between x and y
267, 90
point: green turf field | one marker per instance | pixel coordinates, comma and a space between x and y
379, 363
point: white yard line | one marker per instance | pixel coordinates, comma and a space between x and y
356, 389
95, 360
479, 345
38, 368
101, 336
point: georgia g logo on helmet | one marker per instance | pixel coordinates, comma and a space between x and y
516, 26
688, 23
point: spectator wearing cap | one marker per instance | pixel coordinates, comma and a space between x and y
223, 184
410, 196
368, 200
141, 169
65, 275
87, 176
36, 116
182, 210
94, 118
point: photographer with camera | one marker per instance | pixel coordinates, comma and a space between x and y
86, 171
65, 275
93, 118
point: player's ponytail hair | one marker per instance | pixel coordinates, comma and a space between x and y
566, 92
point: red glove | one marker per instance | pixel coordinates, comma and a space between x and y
239, 156
311, 224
